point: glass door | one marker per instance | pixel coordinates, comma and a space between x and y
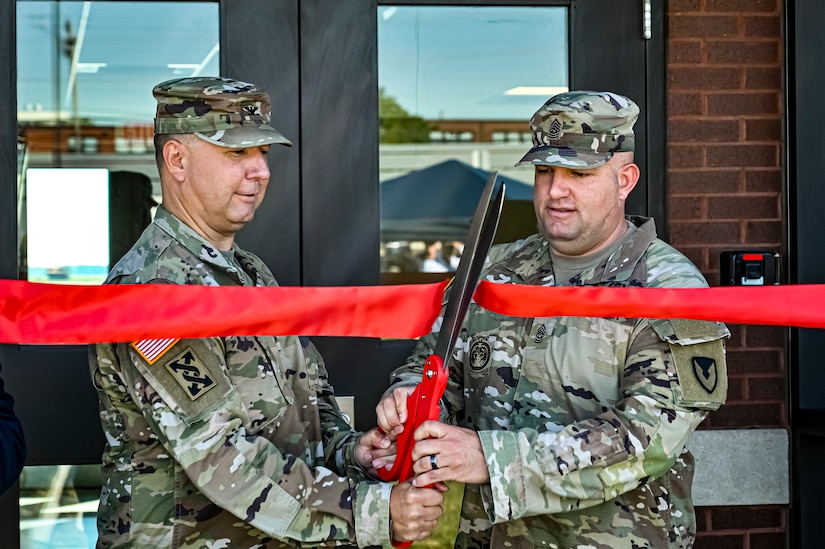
87, 186
83, 97
456, 89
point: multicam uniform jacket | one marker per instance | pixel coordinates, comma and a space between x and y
228, 442
583, 421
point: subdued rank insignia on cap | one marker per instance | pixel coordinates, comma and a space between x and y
554, 130
191, 374
704, 369
152, 349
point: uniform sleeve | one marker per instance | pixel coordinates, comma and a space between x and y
339, 439
12, 443
671, 378
291, 497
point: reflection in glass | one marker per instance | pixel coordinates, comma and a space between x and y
58, 506
457, 87
68, 218
85, 77
22, 166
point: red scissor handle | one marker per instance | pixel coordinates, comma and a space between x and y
422, 405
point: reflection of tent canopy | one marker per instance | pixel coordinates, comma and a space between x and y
437, 202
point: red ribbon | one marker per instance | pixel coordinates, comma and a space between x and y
800, 305
36, 313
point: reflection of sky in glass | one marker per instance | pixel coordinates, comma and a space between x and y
125, 48
457, 62
450, 62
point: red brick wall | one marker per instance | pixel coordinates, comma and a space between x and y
725, 176
762, 527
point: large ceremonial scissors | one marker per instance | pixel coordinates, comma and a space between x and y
423, 402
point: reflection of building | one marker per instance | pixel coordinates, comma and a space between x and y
43, 135
131, 138
486, 144
480, 131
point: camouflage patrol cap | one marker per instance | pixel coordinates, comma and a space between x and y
222, 111
581, 129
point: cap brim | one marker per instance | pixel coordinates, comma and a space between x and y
242, 137
563, 157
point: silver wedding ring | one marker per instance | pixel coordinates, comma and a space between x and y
432, 462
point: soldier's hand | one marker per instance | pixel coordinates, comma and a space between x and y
456, 453
414, 511
391, 412
374, 445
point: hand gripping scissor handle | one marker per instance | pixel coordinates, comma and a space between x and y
423, 402
422, 405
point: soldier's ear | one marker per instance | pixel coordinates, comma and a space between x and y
628, 176
174, 158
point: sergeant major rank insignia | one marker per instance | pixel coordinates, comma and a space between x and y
541, 333
554, 131
706, 373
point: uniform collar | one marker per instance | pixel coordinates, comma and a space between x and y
167, 222
531, 262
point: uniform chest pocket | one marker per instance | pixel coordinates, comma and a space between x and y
536, 371
584, 356
260, 370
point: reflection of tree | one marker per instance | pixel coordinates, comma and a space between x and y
396, 125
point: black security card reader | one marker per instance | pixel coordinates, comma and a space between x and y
748, 268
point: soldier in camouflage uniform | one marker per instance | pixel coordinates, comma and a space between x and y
233, 442
571, 432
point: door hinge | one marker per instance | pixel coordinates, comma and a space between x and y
647, 23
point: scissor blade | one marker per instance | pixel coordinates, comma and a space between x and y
423, 402
479, 239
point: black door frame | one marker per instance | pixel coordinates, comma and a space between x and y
805, 80
310, 82
621, 60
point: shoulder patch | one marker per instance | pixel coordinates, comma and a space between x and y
191, 374
702, 372
152, 349
191, 379
706, 371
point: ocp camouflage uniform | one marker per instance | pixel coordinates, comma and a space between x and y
583, 421
224, 442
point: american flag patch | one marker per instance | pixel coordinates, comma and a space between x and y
152, 349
